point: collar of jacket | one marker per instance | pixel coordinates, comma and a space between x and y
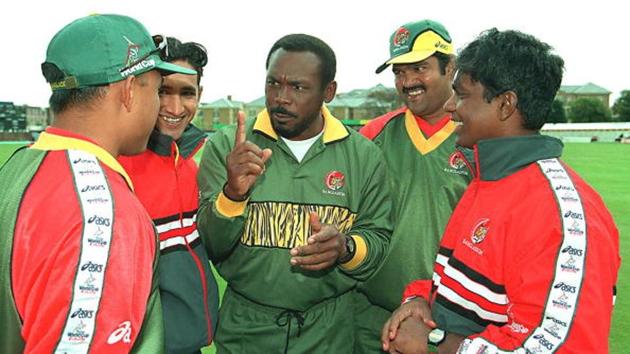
191, 140
55, 139
334, 130
493, 159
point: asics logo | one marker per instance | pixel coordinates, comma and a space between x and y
123, 332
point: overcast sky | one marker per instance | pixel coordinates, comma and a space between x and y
591, 36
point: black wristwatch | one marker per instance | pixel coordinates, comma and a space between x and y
437, 336
350, 250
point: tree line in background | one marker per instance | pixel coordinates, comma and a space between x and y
581, 110
589, 110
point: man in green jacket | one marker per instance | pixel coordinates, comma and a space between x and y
297, 213
426, 176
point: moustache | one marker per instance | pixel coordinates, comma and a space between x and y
407, 89
282, 110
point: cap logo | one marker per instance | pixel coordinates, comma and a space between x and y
69, 82
148, 63
132, 52
440, 45
401, 37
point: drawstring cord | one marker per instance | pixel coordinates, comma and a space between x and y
284, 319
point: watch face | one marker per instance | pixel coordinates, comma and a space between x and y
436, 336
350, 245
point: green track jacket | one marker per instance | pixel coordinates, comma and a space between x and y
342, 178
427, 178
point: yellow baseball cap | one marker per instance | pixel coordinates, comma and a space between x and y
416, 41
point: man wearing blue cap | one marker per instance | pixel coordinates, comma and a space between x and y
427, 177
78, 250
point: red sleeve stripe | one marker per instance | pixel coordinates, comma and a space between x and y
466, 304
464, 296
466, 282
466, 293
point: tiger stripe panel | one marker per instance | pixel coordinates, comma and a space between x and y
287, 225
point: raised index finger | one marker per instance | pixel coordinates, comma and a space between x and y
239, 138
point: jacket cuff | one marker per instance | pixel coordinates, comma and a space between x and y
418, 288
360, 254
228, 207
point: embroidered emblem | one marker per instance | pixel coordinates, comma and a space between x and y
401, 37
480, 230
335, 180
456, 161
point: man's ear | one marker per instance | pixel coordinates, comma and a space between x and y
509, 101
126, 94
329, 91
199, 92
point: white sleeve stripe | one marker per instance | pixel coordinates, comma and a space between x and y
569, 270
179, 240
454, 297
185, 222
474, 287
469, 284
565, 288
442, 260
96, 202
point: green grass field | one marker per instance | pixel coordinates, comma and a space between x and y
606, 166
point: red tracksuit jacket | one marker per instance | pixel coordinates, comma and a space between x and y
165, 180
529, 259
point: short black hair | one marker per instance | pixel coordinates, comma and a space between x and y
60, 100
193, 53
300, 42
514, 61
443, 60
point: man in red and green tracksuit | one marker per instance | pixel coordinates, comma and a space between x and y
542, 290
529, 260
71, 192
426, 176
165, 177
78, 252
165, 180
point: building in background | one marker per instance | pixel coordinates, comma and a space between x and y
218, 113
37, 118
364, 104
568, 93
12, 117
254, 107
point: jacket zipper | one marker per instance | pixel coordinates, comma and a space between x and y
202, 275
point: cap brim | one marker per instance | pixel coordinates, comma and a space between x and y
407, 58
382, 67
169, 68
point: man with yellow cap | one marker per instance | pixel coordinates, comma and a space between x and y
426, 176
